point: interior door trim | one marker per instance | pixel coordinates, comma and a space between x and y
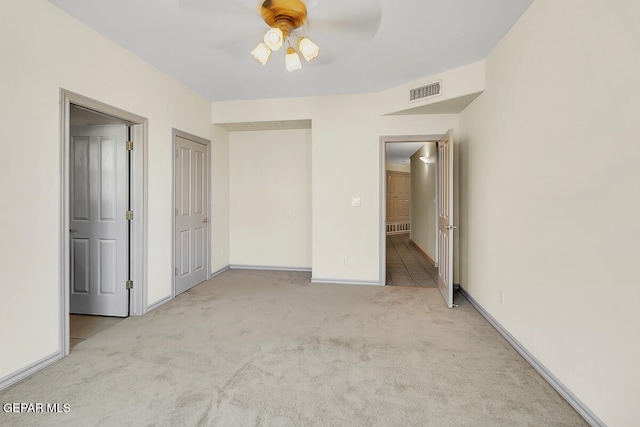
138, 259
176, 133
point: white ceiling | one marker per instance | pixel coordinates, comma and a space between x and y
365, 45
401, 152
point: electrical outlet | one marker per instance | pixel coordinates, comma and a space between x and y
501, 297
289, 215
344, 260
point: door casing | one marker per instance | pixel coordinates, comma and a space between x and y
138, 259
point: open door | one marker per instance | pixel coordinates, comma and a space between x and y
445, 218
99, 199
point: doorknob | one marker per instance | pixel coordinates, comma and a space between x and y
205, 219
450, 227
71, 230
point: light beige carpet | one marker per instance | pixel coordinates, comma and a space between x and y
267, 348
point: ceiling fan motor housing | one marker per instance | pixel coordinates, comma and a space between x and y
287, 15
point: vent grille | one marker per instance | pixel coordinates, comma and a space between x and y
426, 91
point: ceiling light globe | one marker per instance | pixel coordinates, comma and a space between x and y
274, 38
292, 60
261, 53
308, 49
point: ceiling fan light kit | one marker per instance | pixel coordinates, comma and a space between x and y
261, 53
274, 38
284, 17
292, 60
307, 48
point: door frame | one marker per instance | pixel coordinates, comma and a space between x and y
383, 192
138, 193
176, 133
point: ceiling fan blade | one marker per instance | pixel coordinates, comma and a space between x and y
364, 28
356, 18
222, 20
237, 48
227, 49
340, 28
214, 7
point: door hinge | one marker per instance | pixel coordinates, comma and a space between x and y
129, 215
176, 271
129, 284
129, 145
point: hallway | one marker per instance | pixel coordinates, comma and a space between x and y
406, 266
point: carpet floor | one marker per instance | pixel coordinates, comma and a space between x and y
263, 348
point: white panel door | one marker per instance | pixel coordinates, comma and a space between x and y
192, 206
99, 241
445, 218
398, 196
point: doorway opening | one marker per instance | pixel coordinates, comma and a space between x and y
103, 243
445, 195
410, 241
402, 154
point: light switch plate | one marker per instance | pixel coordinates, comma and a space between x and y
355, 202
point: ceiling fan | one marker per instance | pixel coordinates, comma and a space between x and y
338, 26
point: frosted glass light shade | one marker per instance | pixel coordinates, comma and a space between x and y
308, 49
292, 60
274, 39
261, 53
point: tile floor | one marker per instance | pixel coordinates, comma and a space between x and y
82, 327
406, 266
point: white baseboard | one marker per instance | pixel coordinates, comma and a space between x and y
580, 407
344, 282
218, 272
157, 304
268, 268
23, 373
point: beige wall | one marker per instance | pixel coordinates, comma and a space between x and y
271, 198
549, 200
220, 199
424, 216
43, 49
345, 156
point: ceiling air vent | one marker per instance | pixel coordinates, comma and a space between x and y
427, 91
